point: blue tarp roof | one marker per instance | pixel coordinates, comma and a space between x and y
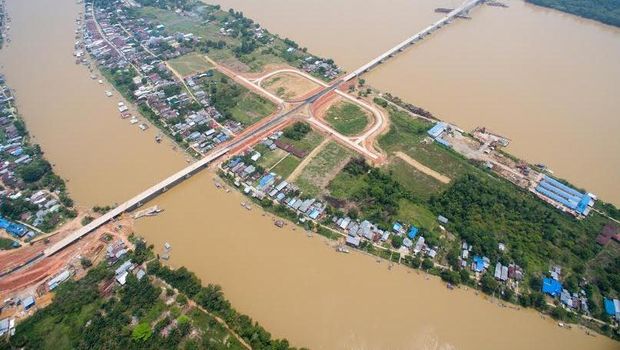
610, 308
413, 231
551, 286
478, 264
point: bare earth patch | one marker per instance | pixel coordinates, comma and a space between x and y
289, 86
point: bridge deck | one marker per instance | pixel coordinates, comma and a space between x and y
466, 6
135, 201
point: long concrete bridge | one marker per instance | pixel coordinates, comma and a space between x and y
137, 200
187, 172
459, 11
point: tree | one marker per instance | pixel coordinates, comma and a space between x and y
464, 274
488, 283
34, 171
397, 241
142, 332
85, 262
427, 264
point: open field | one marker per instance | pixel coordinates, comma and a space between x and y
268, 157
190, 64
315, 176
286, 166
422, 168
307, 143
407, 135
347, 118
289, 86
419, 184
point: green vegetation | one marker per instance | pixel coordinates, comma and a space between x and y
297, 131
236, 102
212, 299
606, 11
407, 134
136, 316
419, 184
268, 157
485, 211
189, 64
374, 192
307, 143
347, 118
316, 174
286, 166
7, 243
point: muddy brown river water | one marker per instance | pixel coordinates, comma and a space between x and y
297, 286
547, 80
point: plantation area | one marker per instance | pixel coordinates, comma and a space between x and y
190, 64
237, 102
347, 118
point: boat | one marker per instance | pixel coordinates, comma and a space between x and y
108, 93
341, 249
133, 120
167, 246
100, 81
279, 223
143, 126
449, 286
158, 138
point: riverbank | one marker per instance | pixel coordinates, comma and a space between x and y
433, 249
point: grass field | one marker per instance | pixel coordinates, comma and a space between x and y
406, 134
268, 157
347, 118
418, 183
252, 108
190, 64
286, 166
417, 215
319, 171
307, 143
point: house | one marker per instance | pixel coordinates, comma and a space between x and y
413, 231
551, 286
612, 307
442, 219
353, 241
28, 302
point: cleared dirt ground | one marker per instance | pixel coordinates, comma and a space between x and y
289, 86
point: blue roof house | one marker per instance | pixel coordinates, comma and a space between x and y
551, 286
413, 231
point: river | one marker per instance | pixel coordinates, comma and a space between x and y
547, 80
296, 286
103, 157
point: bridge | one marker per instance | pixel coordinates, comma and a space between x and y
457, 12
247, 136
